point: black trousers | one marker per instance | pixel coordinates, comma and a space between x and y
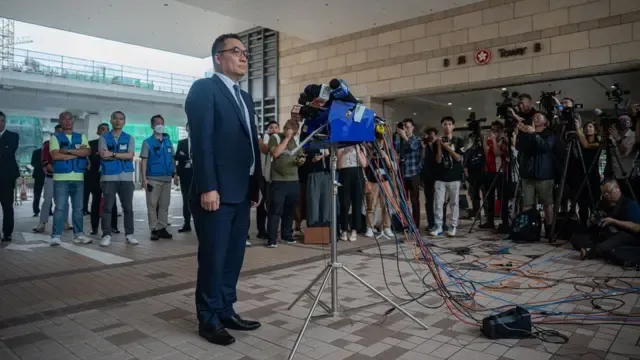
38, 184
351, 195
261, 211
185, 184
412, 192
283, 198
428, 185
7, 188
96, 197
476, 185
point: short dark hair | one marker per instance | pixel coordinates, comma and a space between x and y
525, 96
3, 115
431, 129
57, 127
113, 114
272, 122
218, 44
103, 124
409, 120
448, 118
158, 116
498, 124
568, 98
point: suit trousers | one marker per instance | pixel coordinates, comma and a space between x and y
185, 184
261, 211
222, 237
38, 184
7, 189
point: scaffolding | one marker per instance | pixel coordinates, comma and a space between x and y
7, 42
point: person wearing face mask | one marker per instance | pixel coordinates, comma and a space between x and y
158, 170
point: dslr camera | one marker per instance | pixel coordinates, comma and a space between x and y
509, 101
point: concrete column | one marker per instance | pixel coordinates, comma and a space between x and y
91, 123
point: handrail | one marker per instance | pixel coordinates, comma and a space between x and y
35, 62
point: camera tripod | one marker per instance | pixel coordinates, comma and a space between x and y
331, 270
610, 152
511, 167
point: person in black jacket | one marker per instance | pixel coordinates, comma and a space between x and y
92, 180
9, 142
38, 180
537, 146
185, 174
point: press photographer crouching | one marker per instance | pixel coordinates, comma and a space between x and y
615, 225
537, 145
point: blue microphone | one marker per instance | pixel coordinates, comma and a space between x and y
340, 91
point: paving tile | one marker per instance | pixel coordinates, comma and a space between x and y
23, 340
127, 337
172, 314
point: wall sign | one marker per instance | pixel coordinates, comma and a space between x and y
460, 60
482, 57
519, 51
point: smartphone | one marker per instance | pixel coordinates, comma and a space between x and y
149, 188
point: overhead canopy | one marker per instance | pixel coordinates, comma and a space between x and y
189, 26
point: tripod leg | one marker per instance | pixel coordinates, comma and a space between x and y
325, 280
385, 298
307, 291
558, 201
484, 198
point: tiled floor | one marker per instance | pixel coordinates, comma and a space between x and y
69, 304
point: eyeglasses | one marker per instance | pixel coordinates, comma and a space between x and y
237, 52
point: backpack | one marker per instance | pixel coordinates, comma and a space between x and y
527, 226
626, 256
475, 159
267, 166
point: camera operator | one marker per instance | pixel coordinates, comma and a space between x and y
410, 149
427, 173
537, 145
624, 139
618, 224
526, 111
493, 144
590, 142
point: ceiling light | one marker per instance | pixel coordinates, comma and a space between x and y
450, 104
414, 114
468, 108
537, 102
503, 89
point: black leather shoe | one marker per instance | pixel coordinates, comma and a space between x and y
164, 234
216, 335
6, 238
237, 323
185, 228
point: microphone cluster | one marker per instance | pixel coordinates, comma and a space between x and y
318, 97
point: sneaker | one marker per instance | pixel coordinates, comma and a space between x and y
583, 254
289, 241
248, 243
130, 240
452, 231
388, 232
40, 228
369, 233
272, 246
81, 239
55, 241
353, 236
106, 241
164, 234
343, 236
437, 231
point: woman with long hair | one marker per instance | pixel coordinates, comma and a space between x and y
590, 142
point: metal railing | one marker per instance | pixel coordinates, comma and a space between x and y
34, 62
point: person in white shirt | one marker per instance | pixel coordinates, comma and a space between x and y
261, 212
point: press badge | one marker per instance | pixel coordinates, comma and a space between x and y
123, 147
169, 150
77, 146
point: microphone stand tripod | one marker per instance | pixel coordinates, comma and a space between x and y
331, 270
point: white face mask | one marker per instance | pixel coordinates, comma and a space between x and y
159, 129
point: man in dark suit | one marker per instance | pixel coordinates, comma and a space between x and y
92, 180
226, 183
38, 180
185, 174
9, 142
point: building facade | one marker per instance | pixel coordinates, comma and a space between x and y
487, 44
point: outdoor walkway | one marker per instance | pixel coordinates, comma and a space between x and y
126, 302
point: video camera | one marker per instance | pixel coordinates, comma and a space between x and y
510, 101
616, 94
474, 125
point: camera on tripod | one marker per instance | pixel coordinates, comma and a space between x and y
616, 94
510, 101
474, 124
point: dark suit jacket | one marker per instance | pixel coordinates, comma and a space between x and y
8, 146
36, 155
221, 143
182, 156
94, 160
